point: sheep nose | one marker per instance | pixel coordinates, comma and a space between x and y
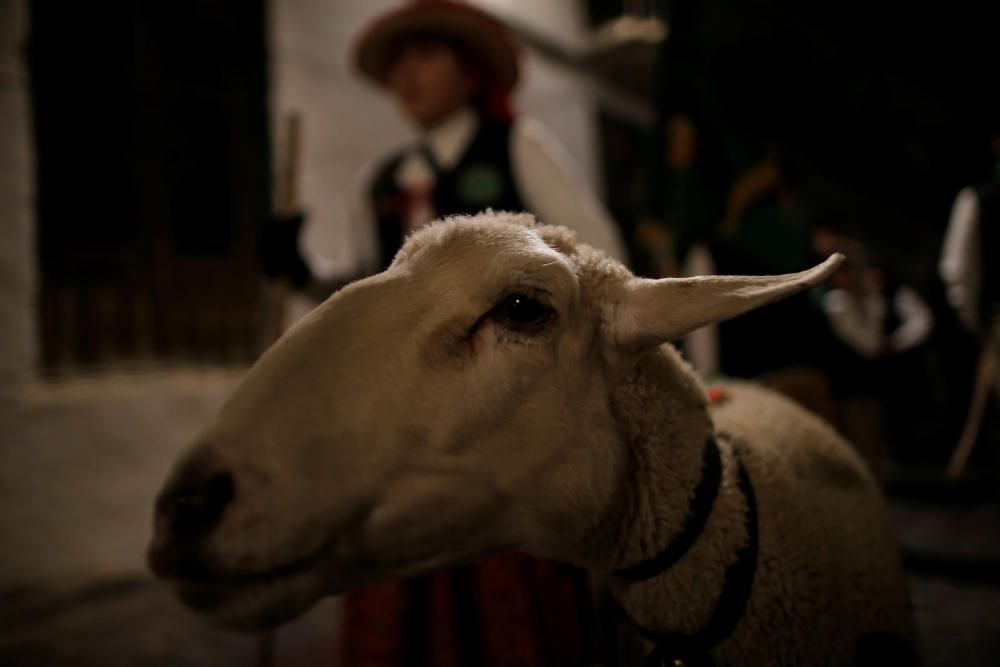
192, 509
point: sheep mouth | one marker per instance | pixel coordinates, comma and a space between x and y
208, 594
234, 578
254, 600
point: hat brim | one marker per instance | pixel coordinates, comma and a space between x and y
476, 30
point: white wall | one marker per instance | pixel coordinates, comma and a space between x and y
552, 93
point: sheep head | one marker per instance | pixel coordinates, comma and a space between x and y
453, 406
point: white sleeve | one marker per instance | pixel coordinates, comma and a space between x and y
847, 319
916, 317
959, 263
362, 256
553, 188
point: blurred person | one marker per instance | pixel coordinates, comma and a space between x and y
713, 211
877, 366
451, 69
866, 311
720, 197
760, 231
972, 281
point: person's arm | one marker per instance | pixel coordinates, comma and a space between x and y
329, 274
555, 191
959, 264
916, 317
850, 323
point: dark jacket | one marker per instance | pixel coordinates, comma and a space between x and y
482, 178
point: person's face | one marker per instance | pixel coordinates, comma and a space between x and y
429, 82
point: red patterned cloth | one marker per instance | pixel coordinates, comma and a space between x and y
505, 611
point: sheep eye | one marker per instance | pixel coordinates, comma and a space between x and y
520, 311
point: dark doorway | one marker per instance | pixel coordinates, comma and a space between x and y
151, 139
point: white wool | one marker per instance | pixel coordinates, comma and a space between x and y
404, 426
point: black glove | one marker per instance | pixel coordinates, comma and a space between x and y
279, 250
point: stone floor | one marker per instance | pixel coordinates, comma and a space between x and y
951, 543
959, 623
136, 621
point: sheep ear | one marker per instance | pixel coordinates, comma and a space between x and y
655, 311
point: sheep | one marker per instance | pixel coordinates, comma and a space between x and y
502, 387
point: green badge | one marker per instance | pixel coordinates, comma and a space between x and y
480, 185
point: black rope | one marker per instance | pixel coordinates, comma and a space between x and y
693, 651
701, 507
738, 584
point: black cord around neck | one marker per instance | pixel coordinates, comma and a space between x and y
701, 507
693, 650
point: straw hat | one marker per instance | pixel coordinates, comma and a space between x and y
476, 30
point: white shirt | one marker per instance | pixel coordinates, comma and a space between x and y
859, 321
546, 177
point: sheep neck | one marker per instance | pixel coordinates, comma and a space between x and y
665, 420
